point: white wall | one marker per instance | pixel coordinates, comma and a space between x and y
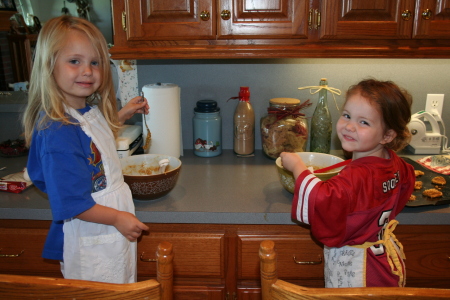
100, 13
220, 79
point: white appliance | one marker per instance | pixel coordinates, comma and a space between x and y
426, 139
129, 138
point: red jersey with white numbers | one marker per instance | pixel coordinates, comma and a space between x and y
352, 207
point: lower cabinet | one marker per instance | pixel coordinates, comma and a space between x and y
21, 244
213, 261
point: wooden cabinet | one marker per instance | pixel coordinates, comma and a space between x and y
208, 19
385, 19
21, 244
199, 265
214, 261
177, 29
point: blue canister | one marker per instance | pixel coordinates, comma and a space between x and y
207, 125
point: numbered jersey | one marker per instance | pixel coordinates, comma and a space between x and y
353, 208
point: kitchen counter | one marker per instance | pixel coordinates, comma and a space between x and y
219, 190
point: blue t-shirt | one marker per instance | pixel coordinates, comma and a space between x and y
64, 163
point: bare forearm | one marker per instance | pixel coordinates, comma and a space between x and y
100, 214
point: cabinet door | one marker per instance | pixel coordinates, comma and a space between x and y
21, 250
427, 255
299, 258
263, 19
362, 19
432, 20
170, 19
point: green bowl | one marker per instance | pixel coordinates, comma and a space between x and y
318, 160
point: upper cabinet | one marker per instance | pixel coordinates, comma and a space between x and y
206, 19
385, 19
153, 29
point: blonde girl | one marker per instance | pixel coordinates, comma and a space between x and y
70, 124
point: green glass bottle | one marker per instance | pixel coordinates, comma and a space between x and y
321, 125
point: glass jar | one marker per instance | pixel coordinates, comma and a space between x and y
284, 128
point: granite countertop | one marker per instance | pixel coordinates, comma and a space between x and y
219, 190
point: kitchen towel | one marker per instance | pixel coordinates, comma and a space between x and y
127, 80
164, 119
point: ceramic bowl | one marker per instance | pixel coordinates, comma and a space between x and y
140, 172
316, 160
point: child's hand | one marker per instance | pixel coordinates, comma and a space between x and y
292, 162
136, 105
129, 225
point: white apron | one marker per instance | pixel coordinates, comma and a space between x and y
346, 266
94, 251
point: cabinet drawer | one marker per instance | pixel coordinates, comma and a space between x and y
427, 250
302, 247
21, 251
195, 254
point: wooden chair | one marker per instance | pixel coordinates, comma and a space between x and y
34, 287
276, 289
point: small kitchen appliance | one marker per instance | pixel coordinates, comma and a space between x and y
129, 138
427, 135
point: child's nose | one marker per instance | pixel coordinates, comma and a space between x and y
350, 126
87, 70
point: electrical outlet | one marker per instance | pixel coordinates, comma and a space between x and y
434, 104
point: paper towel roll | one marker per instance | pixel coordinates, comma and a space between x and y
164, 119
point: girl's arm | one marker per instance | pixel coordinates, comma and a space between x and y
292, 162
136, 105
126, 223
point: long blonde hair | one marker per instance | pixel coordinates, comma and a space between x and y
45, 95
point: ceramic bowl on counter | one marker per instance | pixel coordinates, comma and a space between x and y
141, 173
311, 159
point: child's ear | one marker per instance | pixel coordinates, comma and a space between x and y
388, 136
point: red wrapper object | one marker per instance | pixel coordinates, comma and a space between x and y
12, 186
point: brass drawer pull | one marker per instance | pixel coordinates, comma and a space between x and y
225, 14
426, 14
308, 262
146, 259
124, 21
406, 15
204, 15
12, 255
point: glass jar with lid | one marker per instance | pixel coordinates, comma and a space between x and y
284, 128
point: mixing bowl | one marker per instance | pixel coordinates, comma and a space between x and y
311, 159
141, 173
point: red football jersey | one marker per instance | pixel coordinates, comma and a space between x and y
353, 207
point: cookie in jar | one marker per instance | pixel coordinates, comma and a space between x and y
284, 128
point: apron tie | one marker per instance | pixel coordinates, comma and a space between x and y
394, 250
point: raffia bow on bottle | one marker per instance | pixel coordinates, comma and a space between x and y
280, 113
318, 88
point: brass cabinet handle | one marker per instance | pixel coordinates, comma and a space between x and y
426, 14
310, 18
146, 259
204, 15
225, 14
12, 255
124, 21
406, 15
318, 18
308, 262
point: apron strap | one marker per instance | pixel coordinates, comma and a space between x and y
394, 251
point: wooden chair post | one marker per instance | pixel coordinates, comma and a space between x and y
164, 258
268, 258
